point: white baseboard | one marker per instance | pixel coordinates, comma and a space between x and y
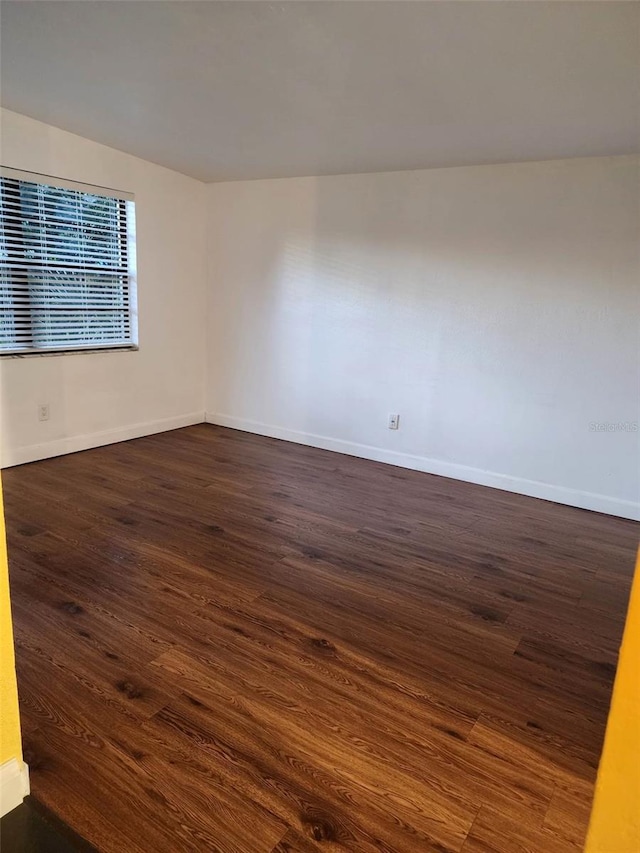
33, 452
14, 784
531, 488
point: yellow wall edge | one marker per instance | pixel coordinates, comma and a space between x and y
615, 817
10, 741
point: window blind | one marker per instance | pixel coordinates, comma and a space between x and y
67, 266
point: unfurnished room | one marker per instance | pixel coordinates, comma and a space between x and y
319, 407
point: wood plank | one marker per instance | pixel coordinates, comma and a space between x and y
228, 642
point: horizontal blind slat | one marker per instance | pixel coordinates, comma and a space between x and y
104, 243
24, 298
21, 264
34, 216
23, 209
23, 294
22, 176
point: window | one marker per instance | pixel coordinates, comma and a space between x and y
67, 266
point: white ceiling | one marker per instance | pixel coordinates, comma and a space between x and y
234, 90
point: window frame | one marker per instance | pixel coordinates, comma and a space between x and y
127, 239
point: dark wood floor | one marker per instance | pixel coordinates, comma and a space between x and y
231, 643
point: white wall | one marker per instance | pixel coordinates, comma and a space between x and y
495, 308
98, 398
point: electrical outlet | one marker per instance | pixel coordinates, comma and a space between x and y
394, 421
43, 412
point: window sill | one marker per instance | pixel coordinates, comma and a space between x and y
47, 353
